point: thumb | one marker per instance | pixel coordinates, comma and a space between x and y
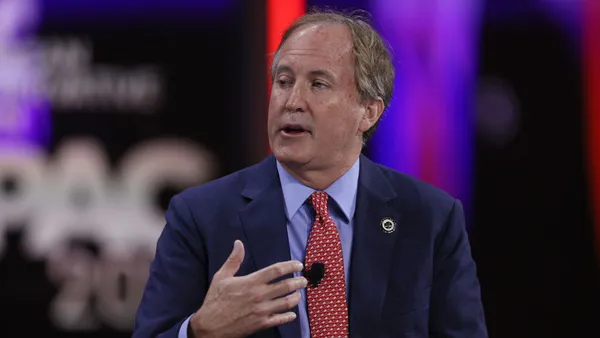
233, 262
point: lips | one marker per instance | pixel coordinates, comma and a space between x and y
294, 129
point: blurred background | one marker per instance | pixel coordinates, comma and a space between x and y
109, 107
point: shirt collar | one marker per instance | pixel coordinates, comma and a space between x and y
342, 191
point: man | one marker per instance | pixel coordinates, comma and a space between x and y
384, 255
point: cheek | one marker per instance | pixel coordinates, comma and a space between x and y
341, 123
274, 100
276, 103
336, 116
351, 117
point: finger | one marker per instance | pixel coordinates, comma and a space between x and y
285, 287
276, 270
278, 319
233, 262
280, 305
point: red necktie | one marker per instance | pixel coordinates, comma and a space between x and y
327, 308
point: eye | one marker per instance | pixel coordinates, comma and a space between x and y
283, 81
319, 84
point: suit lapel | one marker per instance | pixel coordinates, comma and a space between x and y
371, 251
265, 226
264, 223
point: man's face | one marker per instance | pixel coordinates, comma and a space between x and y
315, 118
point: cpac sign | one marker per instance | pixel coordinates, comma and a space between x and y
76, 195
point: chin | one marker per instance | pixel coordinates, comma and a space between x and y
290, 156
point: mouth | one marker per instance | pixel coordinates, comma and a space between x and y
294, 130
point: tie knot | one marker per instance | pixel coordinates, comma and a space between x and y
319, 203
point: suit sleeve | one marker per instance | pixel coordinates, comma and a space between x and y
177, 282
456, 309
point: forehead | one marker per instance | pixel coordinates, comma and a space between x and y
329, 43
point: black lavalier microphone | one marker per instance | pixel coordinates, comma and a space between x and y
315, 274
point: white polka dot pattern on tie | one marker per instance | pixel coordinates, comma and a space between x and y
327, 307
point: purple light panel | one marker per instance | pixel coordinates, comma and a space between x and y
427, 131
24, 116
118, 9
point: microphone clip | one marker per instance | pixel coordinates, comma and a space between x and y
315, 274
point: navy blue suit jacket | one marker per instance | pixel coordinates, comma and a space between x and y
417, 281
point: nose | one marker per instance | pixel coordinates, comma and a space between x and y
296, 101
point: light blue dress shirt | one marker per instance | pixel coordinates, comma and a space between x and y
300, 217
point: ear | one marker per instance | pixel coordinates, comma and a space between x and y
373, 111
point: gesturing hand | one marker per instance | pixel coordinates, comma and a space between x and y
239, 306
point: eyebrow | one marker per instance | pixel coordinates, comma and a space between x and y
323, 73
283, 68
318, 72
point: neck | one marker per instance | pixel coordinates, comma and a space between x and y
320, 178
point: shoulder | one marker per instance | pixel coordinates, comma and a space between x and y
418, 198
418, 189
216, 196
218, 188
